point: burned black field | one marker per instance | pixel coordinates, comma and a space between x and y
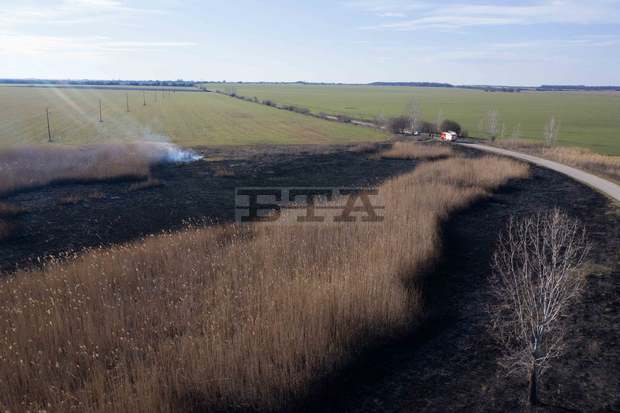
60, 219
448, 362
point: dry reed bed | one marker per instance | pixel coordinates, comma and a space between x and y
227, 317
409, 150
32, 166
585, 159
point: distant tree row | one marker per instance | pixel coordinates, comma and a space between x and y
545, 88
86, 82
414, 84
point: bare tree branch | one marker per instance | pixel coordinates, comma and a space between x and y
414, 113
535, 279
552, 129
491, 123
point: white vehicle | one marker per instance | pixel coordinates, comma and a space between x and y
449, 136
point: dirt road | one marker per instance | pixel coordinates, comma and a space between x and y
603, 185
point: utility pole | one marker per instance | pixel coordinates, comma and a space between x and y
100, 116
49, 130
127, 101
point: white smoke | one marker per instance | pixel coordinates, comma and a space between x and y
169, 152
173, 154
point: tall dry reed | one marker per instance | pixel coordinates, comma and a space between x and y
605, 165
30, 166
232, 316
411, 150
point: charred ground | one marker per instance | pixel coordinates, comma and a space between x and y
447, 363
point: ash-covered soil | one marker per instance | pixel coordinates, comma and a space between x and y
446, 364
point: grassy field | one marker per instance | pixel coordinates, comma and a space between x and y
185, 118
590, 120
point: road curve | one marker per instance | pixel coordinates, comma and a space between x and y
602, 185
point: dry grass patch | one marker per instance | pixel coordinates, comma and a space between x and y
222, 171
32, 166
585, 159
365, 148
96, 195
227, 317
79, 198
148, 184
11, 211
410, 150
71, 200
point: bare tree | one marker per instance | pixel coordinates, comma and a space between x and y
491, 123
381, 121
398, 125
440, 118
414, 113
516, 132
535, 279
552, 129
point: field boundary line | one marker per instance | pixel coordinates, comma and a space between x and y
602, 185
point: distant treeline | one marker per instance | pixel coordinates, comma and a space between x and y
545, 88
86, 82
415, 84
486, 88
506, 89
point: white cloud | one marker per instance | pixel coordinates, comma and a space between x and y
392, 14
538, 51
435, 15
68, 12
17, 44
22, 25
388, 8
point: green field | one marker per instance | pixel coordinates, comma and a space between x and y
589, 120
185, 118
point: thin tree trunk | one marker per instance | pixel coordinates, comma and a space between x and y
533, 393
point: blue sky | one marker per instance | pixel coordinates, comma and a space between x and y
465, 42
